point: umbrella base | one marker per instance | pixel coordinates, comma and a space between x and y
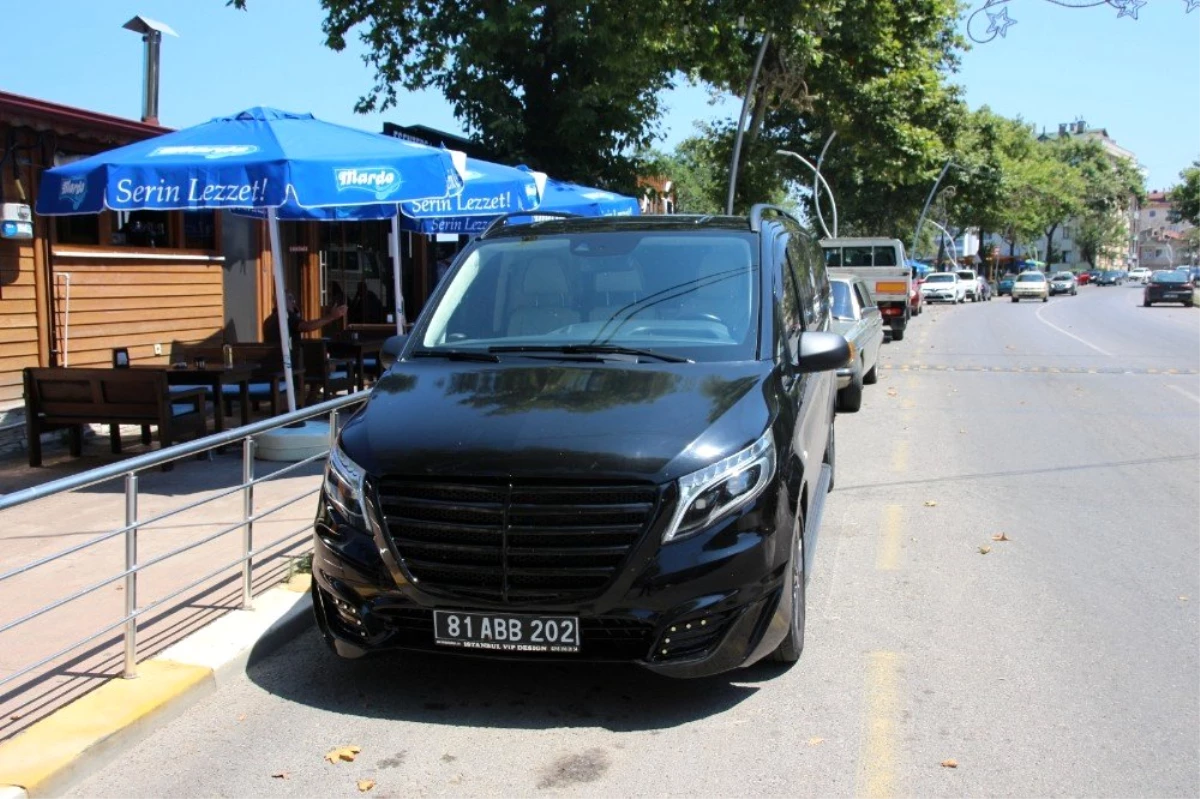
290, 444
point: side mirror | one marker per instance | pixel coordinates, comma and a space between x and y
823, 352
391, 350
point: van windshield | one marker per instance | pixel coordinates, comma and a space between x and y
694, 295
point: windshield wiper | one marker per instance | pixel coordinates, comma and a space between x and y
457, 355
592, 349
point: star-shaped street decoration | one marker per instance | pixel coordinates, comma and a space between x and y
1129, 8
1192, 5
1000, 22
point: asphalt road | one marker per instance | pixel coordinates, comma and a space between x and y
1061, 661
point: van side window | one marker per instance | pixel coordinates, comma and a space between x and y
833, 256
791, 302
802, 275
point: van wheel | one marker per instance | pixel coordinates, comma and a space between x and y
792, 645
849, 399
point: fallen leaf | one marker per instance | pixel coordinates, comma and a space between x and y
1009, 347
891, 392
984, 550
1000, 537
949, 764
814, 741
347, 753
961, 430
365, 785
1182, 598
241, 717
16, 716
281, 775
931, 503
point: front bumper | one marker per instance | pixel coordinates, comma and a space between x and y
939, 296
692, 608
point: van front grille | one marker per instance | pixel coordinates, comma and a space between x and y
514, 542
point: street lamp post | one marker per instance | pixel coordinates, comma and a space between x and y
821, 178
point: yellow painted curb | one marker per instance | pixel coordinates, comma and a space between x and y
37, 758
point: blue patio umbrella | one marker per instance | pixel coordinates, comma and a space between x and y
489, 191
572, 198
260, 158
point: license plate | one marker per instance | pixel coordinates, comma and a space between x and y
885, 287
505, 632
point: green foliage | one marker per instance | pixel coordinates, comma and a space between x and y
1185, 197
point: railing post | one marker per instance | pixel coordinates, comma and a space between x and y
248, 528
131, 513
333, 429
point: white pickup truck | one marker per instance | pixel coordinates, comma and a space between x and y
883, 264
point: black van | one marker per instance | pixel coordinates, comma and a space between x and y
605, 439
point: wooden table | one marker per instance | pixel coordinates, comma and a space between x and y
212, 376
357, 349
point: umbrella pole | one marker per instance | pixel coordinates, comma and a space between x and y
281, 305
397, 283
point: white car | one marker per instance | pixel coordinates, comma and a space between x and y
970, 282
1141, 274
943, 287
1031, 286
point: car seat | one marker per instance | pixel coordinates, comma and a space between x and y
542, 303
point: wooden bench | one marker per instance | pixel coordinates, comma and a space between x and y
59, 397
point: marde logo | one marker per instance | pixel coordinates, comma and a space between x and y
378, 180
206, 151
73, 190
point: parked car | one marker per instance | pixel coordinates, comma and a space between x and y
858, 319
942, 287
1170, 286
985, 289
970, 282
914, 298
605, 439
1140, 274
1109, 277
1005, 285
1063, 283
1031, 286
1094, 275
1083, 278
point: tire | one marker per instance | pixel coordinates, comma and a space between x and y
792, 645
872, 377
1073, 292
1146, 303
1015, 299
1187, 305
849, 399
1046, 298
897, 334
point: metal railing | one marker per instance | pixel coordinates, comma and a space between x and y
129, 471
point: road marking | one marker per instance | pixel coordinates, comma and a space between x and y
1071, 335
887, 556
876, 762
1184, 392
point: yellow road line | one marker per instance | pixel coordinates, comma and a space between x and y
877, 760
887, 553
900, 456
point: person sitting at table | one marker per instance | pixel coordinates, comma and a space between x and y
297, 324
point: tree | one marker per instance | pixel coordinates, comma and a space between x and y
569, 87
1185, 197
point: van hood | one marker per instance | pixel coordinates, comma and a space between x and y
557, 419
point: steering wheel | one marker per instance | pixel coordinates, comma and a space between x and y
700, 316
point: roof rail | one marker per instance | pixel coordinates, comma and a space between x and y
501, 220
760, 209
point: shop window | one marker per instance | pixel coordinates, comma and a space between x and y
79, 229
142, 229
199, 230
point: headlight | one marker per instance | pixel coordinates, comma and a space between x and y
344, 486
707, 495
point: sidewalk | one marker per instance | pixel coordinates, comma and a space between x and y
50, 525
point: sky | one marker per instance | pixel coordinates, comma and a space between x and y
1138, 79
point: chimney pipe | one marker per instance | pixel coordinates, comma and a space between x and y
152, 32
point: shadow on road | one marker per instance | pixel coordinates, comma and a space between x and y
477, 692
